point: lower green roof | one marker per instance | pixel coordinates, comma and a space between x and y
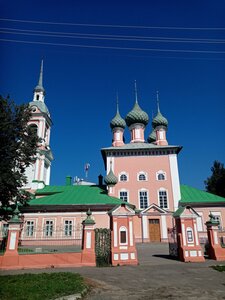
73, 195
192, 195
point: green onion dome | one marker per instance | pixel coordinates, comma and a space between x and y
159, 120
117, 121
152, 137
136, 115
110, 179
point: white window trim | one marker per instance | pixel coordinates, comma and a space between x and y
43, 228
200, 220
144, 173
139, 202
123, 228
123, 173
192, 233
124, 190
24, 235
161, 172
167, 194
73, 228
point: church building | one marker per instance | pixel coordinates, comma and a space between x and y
140, 174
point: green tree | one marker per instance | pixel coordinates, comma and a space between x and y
18, 146
215, 184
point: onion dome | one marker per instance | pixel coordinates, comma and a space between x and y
136, 115
152, 137
110, 178
159, 120
117, 121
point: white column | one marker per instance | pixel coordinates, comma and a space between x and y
145, 227
88, 240
183, 234
42, 170
164, 227
48, 175
115, 234
196, 234
131, 233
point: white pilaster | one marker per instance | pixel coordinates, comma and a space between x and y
175, 180
183, 234
164, 227
145, 227
131, 233
115, 234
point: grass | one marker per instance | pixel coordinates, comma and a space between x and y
220, 268
40, 286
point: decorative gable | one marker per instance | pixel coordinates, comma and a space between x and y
122, 210
154, 209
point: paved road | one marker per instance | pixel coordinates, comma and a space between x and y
156, 277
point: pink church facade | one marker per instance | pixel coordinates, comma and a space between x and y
146, 171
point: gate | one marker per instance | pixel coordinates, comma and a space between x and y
103, 247
3, 237
172, 239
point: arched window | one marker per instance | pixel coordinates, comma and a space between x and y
34, 128
123, 177
161, 175
123, 235
163, 199
142, 176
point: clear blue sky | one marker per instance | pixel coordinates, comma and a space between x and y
81, 82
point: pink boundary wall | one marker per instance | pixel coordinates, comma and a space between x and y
12, 260
215, 251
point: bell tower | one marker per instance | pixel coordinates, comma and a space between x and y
38, 174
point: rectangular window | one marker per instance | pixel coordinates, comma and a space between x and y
143, 197
68, 228
123, 237
48, 228
163, 203
30, 228
124, 196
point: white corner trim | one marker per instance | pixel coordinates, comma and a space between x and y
175, 180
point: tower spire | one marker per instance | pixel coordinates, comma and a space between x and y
135, 91
40, 82
39, 87
117, 103
157, 99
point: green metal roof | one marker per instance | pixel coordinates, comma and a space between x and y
73, 195
179, 211
190, 195
40, 105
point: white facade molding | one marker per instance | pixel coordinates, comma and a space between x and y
175, 180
